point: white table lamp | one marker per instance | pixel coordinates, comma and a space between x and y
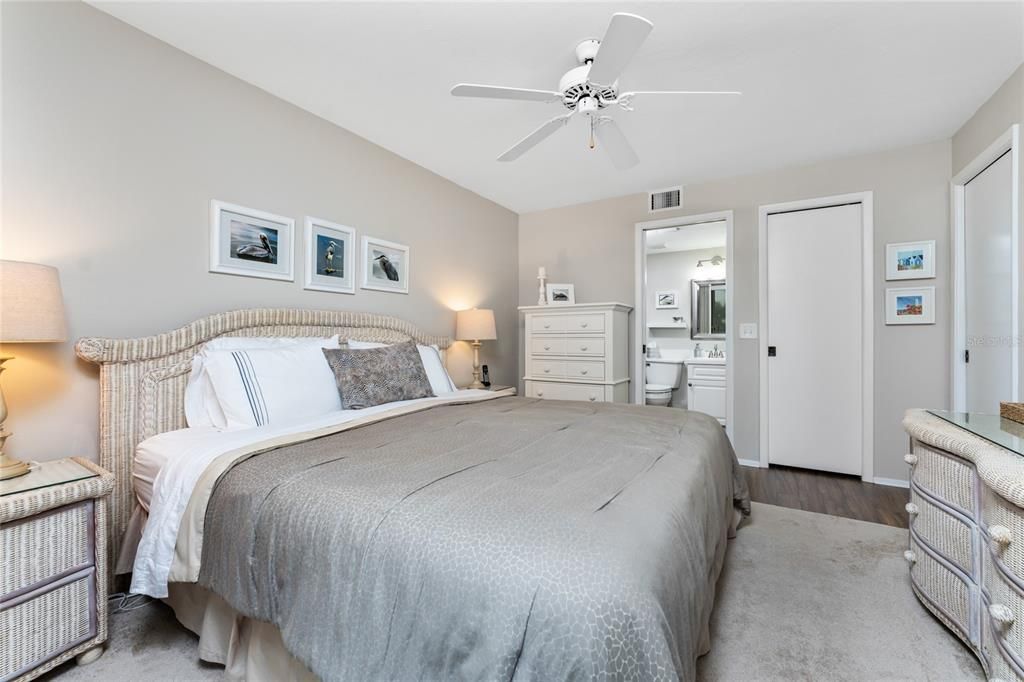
31, 311
475, 325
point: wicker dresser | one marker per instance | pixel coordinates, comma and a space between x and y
966, 552
53, 582
577, 352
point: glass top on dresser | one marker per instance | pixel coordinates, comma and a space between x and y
44, 475
999, 430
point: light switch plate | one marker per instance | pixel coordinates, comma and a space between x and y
748, 330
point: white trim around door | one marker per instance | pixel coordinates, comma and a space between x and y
866, 200
639, 309
1007, 142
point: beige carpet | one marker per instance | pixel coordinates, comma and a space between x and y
803, 597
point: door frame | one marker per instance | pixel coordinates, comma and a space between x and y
640, 308
866, 200
1007, 142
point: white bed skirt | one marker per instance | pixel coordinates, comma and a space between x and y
248, 649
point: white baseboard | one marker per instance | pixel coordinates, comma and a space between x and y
749, 462
894, 482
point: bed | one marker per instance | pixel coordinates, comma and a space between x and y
473, 535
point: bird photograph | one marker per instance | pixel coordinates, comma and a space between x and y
331, 257
382, 266
250, 242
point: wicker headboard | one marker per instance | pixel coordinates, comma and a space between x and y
142, 381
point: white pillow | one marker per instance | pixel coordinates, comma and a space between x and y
440, 381
261, 386
201, 406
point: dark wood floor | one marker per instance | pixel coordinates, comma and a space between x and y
827, 493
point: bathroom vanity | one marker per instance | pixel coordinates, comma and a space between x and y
706, 389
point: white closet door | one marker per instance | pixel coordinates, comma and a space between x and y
815, 288
988, 262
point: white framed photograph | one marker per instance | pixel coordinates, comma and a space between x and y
330, 256
666, 300
910, 305
910, 260
385, 266
252, 243
561, 294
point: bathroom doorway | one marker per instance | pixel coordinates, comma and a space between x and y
683, 315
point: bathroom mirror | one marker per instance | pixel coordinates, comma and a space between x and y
707, 309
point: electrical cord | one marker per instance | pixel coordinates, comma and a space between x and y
128, 602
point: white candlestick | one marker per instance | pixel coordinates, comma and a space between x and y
540, 290
542, 272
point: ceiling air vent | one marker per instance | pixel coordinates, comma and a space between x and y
665, 199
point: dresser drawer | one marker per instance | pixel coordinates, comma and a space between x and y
547, 346
945, 476
547, 368
999, 667
590, 371
68, 547
1004, 524
1003, 608
48, 622
584, 346
555, 391
542, 324
705, 372
946, 590
943, 531
584, 323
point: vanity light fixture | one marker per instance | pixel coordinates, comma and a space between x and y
714, 260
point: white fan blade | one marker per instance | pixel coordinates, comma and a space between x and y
497, 92
625, 34
681, 92
534, 138
615, 143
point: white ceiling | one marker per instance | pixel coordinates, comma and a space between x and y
820, 80
688, 238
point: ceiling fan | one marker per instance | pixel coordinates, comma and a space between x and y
588, 89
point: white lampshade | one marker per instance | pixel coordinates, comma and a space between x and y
475, 325
31, 305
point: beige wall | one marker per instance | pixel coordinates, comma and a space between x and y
591, 245
114, 145
992, 119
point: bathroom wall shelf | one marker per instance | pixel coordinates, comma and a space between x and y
668, 326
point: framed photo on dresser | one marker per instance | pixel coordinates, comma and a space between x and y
330, 256
249, 242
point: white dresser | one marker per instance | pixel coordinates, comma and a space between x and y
577, 352
966, 551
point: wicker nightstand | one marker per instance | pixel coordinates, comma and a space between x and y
53, 569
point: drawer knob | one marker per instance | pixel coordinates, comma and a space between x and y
910, 458
583, 371
910, 556
583, 347
547, 326
1001, 614
547, 370
540, 393
547, 347
593, 398
1000, 534
912, 509
583, 325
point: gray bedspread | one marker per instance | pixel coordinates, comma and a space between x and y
509, 539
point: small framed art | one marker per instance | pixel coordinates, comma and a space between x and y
330, 256
666, 300
910, 260
385, 266
561, 294
911, 305
246, 241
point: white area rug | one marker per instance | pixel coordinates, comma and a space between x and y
803, 597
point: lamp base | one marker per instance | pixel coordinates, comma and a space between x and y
11, 467
476, 384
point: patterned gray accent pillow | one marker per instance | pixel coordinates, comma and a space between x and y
374, 376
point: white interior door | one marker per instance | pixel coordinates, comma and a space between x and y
815, 326
988, 286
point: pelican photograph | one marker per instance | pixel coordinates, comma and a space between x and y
250, 242
385, 265
330, 256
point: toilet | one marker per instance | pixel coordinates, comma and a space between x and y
663, 376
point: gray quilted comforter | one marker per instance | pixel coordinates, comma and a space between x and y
509, 539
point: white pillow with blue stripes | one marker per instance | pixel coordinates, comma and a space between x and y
264, 386
440, 381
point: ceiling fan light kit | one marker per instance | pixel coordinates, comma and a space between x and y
587, 90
